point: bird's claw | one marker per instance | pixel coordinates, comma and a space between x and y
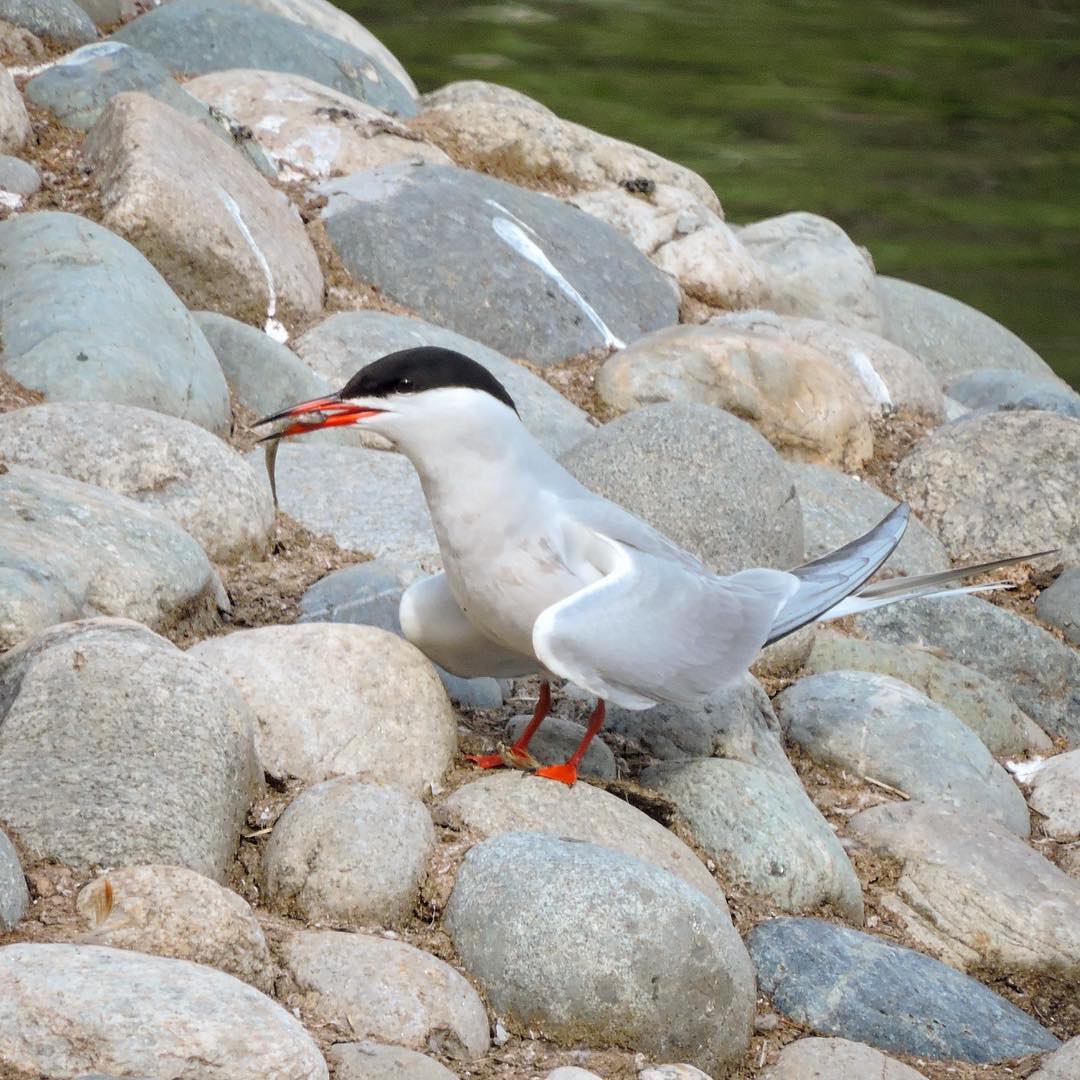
565, 774
508, 756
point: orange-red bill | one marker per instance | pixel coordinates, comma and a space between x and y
317, 414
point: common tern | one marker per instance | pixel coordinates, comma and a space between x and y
543, 576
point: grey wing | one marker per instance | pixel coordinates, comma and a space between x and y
651, 629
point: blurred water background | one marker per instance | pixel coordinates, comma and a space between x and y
944, 136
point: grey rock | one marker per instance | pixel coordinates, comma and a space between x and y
836, 1059
14, 119
469, 90
996, 388
764, 831
20, 45
681, 1071
997, 484
948, 336
192, 37
373, 1061
1055, 795
878, 726
68, 1010
705, 479
72, 333
598, 947
349, 852
70, 550
173, 911
492, 261
842, 982
386, 991
116, 748
62, 21
1041, 673
332, 698
1059, 605
974, 895
982, 703
1063, 1064
14, 895
339, 346
557, 739
171, 465
18, 176
107, 12
837, 508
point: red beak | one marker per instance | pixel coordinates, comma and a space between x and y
319, 413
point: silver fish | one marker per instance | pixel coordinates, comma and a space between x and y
272, 445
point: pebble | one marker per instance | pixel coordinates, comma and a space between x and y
498, 803
330, 698
386, 991
116, 748
373, 1061
836, 1059
1055, 795
70, 333
1063, 1064
877, 726
71, 550
763, 831
843, 982
217, 231
592, 945
348, 852
17, 175
995, 388
342, 344
973, 894
704, 478
806, 405
557, 739
173, 911
1059, 605
518, 271
61, 21
162, 462
192, 37
68, 1010
681, 1071
572, 1072
14, 895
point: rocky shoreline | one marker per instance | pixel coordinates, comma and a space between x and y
238, 836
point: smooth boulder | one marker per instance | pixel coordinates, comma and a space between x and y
14, 895
14, 119
1059, 605
61, 21
1001, 389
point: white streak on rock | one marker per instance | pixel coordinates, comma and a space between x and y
86, 53
10, 200
502, 209
873, 382
1025, 771
271, 123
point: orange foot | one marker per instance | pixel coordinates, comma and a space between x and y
565, 774
511, 757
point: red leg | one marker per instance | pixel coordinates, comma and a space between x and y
518, 754
567, 772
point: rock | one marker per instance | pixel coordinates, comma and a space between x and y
159, 461
838, 507
71, 550
19, 45
78, 86
192, 37
18, 176
1041, 674
836, 1059
499, 803
500, 134
713, 266
1055, 795
339, 346
702, 477
217, 231
572, 1072
843, 982
14, 896
764, 831
308, 129
982, 703
387, 991
997, 484
173, 911
372, 1061
889, 377
107, 12
70, 333
793, 394
995, 388
331, 698
597, 947
1063, 1064
66, 1010
367, 500
470, 90
949, 337
116, 748
1059, 605
815, 270
974, 895
62, 21
523, 273
557, 739
349, 852
672, 1072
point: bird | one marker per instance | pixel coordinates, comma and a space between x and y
542, 576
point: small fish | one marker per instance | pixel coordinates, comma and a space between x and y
296, 425
272, 445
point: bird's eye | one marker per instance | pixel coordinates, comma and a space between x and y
405, 384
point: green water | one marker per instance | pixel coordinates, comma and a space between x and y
945, 136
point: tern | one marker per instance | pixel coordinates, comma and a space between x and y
543, 576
